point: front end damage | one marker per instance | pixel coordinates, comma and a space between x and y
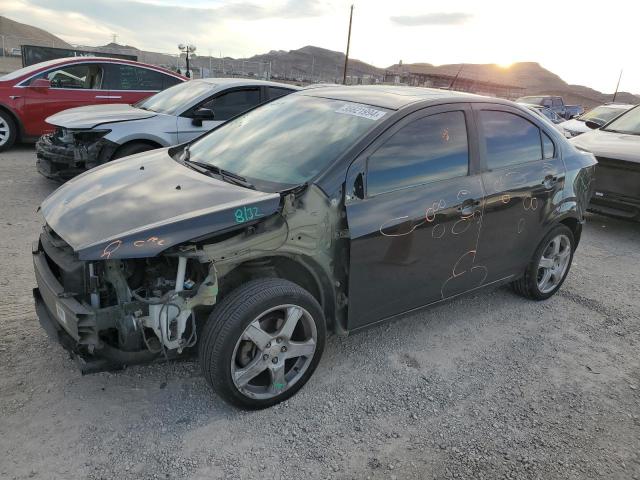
111, 312
66, 153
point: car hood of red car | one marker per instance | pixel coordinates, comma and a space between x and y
93, 115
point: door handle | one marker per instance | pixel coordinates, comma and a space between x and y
468, 207
549, 181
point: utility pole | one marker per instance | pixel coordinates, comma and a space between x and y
346, 57
453, 82
617, 86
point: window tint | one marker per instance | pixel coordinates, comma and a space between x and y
557, 102
426, 150
129, 77
547, 102
169, 81
509, 139
548, 148
83, 76
232, 103
276, 92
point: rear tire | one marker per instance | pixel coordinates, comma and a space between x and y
8, 131
262, 343
131, 149
549, 266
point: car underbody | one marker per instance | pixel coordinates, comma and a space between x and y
115, 312
64, 154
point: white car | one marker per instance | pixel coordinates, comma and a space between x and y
598, 116
89, 136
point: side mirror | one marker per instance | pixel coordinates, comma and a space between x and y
41, 83
201, 114
592, 125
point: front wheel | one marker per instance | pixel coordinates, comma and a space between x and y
262, 343
550, 265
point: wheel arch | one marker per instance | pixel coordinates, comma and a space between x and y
301, 270
575, 226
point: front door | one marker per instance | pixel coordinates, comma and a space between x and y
72, 86
224, 106
414, 210
523, 178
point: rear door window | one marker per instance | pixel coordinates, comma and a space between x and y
510, 139
131, 77
425, 150
277, 92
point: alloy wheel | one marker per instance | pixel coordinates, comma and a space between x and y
554, 263
274, 351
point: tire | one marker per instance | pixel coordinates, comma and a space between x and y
131, 149
8, 131
532, 285
247, 347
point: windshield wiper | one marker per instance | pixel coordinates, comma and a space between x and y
227, 176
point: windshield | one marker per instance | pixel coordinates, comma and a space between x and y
602, 115
628, 122
30, 69
171, 100
287, 141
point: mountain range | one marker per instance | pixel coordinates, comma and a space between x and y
313, 64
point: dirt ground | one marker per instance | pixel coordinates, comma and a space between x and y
489, 386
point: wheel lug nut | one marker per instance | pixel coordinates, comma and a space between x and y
268, 345
278, 340
274, 360
265, 357
283, 349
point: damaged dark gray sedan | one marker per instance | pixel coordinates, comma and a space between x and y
328, 210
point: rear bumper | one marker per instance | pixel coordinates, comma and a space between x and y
60, 161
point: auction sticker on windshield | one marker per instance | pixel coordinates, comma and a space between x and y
361, 111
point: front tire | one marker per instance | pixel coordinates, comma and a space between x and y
549, 266
8, 131
262, 343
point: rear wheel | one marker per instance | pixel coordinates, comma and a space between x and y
262, 343
549, 267
8, 131
131, 149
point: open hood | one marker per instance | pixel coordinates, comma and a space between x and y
139, 206
619, 146
93, 115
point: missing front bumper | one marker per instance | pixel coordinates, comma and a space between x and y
62, 161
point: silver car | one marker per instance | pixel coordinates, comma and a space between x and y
89, 136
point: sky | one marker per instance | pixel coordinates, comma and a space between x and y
586, 42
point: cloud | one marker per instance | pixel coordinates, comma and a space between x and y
454, 18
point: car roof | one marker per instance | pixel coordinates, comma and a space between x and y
387, 96
617, 105
225, 81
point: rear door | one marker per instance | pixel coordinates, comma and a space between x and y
414, 211
523, 180
224, 105
72, 85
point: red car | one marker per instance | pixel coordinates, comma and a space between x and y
31, 94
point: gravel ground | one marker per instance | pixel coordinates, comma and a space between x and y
489, 386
